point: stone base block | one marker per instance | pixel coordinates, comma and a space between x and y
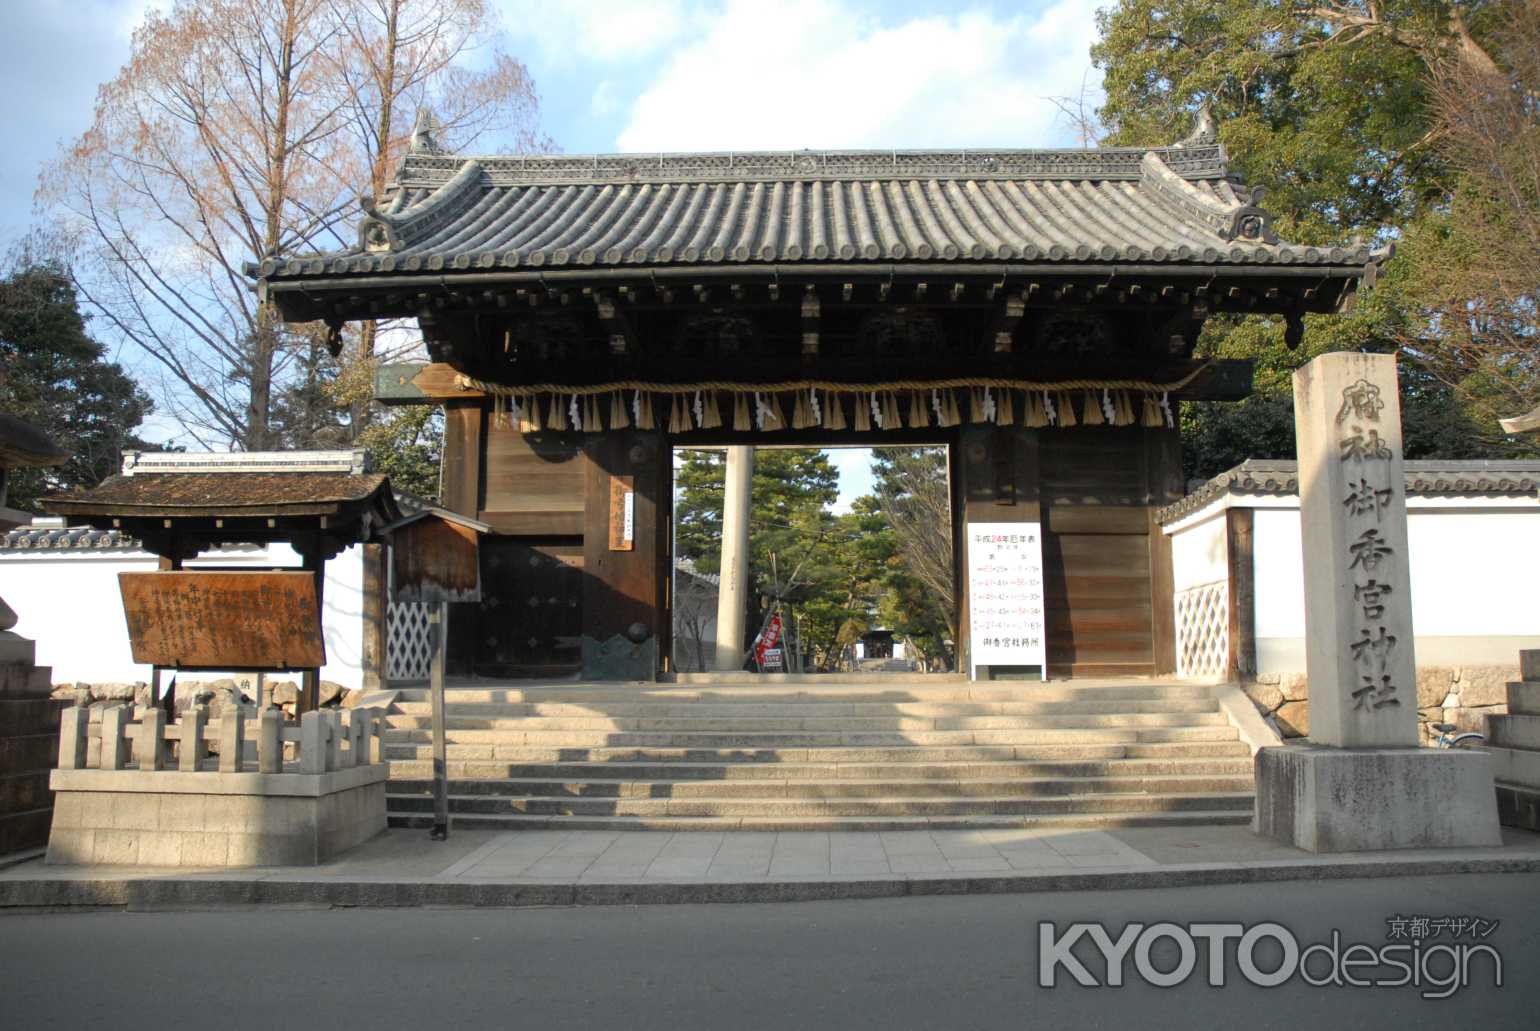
208, 819
1370, 799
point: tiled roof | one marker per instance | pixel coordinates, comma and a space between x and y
1173, 205
1448, 478
77, 540
245, 493
65, 538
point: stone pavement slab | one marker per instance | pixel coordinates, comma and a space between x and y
556, 867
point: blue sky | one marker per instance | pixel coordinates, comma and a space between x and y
661, 75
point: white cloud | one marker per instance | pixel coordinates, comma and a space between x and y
822, 74
566, 32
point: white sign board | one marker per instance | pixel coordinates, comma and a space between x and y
1005, 595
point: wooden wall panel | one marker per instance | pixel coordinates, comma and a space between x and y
1096, 556
534, 483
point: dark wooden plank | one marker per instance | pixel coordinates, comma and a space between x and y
1243, 629
530, 619
1088, 519
536, 524
622, 589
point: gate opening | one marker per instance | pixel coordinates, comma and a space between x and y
849, 564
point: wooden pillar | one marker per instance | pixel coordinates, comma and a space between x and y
376, 613
461, 489
460, 483
999, 483
1242, 594
1163, 485
625, 555
310, 681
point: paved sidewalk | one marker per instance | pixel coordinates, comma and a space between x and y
503, 868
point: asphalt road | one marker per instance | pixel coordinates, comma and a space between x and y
926, 963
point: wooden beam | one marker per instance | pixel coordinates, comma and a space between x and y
615, 323
811, 310
416, 383
1003, 331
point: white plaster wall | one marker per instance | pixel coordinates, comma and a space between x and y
1473, 571
68, 602
1198, 553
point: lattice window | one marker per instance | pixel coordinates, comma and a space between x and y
407, 651
1203, 631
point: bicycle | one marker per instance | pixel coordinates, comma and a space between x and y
1450, 736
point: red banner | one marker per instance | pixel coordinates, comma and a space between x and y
768, 637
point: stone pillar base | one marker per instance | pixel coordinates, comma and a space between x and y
208, 819
1369, 799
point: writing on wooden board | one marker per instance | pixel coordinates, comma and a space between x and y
224, 620
622, 514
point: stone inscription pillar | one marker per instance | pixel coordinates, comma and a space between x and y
1361, 783
732, 596
1358, 605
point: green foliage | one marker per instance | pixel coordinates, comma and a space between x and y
834, 576
406, 444
1337, 122
53, 375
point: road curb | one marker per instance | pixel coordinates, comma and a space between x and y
173, 891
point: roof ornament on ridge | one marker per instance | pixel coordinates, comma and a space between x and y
1205, 132
423, 129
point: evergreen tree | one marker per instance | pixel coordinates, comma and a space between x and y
55, 376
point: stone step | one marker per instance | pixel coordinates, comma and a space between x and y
1514, 731
1529, 664
808, 739
1511, 765
575, 694
831, 806
819, 789
852, 724
22, 680
1524, 698
496, 772
799, 709
23, 716
838, 754
827, 824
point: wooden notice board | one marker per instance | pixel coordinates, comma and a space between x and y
622, 514
224, 620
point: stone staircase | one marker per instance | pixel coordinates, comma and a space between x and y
817, 754
1515, 748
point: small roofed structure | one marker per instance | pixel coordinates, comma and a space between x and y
22, 446
179, 505
434, 557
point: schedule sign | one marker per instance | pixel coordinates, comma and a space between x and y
1005, 594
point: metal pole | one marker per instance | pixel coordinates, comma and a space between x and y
732, 596
438, 628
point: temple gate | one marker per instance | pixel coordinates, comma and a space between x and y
1036, 311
